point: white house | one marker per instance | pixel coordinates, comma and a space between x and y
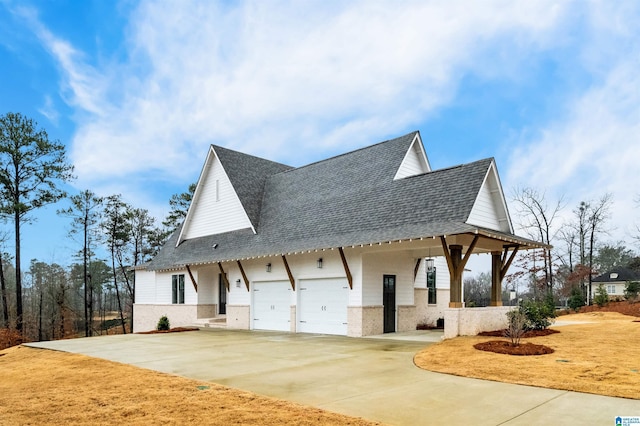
337, 246
614, 281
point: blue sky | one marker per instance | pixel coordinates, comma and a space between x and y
137, 90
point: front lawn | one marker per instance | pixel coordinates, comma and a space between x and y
599, 352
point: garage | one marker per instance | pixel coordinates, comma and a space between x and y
322, 306
272, 305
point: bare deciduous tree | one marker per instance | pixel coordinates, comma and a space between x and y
537, 218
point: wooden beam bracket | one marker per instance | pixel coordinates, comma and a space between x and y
244, 276
193, 280
291, 280
507, 264
346, 267
415, 270
224, 276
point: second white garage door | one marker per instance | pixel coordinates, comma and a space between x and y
322, 306
272, 305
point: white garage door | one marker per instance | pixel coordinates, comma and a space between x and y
272, 305
322, 306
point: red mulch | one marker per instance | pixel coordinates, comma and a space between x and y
503, 347
625, 308
173, 330
527, 334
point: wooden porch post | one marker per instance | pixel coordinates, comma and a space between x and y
456, 264
496, 278
455, 300
500, 262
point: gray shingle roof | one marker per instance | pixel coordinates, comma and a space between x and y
624, 274
248, 175
345, 200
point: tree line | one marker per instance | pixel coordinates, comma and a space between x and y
52, 301
578, 250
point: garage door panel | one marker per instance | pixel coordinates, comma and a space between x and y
322, 306
272, 305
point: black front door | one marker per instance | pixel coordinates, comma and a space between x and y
222, 296
389, 303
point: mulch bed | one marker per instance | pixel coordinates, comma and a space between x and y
173, 330
503, 347
624, 307
527, 334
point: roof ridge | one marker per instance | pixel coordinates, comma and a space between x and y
350, 152
214, 146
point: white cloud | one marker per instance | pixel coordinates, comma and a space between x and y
279, 79
595, 148
49, 110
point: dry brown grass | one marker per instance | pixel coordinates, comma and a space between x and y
602, 357
42, 387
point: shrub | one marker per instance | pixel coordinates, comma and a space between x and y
632, 291
163, 323
539, 314
602, 297
516, 323
576, 299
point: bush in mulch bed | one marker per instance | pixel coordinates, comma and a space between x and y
503, 347
527, 334
173, 330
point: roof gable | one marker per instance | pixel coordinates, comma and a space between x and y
248, 175
490, 208
415, 161
215, 207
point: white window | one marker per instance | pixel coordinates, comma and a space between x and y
611, 289
177, 289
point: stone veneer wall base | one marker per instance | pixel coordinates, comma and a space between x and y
238, 317
365, 320
471, 321
146, 316
406, 318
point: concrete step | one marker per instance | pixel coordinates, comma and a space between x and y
216, 322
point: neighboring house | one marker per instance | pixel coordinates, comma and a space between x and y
336, 247
614, 281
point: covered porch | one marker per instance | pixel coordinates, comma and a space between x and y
457, 250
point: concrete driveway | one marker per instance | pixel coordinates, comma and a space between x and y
370, 378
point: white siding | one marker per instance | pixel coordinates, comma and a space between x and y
375, 266
414, 162
216, 207
442, 273
443, 279
489, 210
145, 287
207, 279
163, 287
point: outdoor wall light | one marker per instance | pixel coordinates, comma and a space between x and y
238, 283
320, 263
268, 267
430, 263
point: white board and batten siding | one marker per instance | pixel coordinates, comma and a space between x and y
145, 287
322, 306
489, 210
216, 207
415, 161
